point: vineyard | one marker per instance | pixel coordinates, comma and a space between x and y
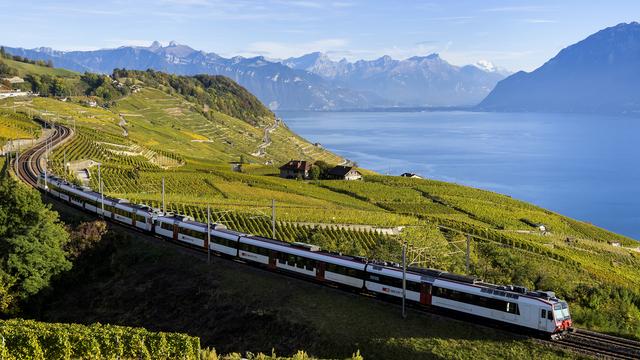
156, 133
26, 339
17, 126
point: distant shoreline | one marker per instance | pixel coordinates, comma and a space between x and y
392, 109
474, 109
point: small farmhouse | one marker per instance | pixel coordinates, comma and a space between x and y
411, 175
344, 173
295, 169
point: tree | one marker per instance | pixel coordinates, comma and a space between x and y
32, 241
324, 168
85, 237
3, 52
6, 70
57, 88
314, 173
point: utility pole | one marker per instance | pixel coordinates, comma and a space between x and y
420, 256
468, 248
208, 234
100, 189
404, 279
273, 218
164, 209
18, 159
46, 161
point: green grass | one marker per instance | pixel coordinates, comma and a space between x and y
25, 68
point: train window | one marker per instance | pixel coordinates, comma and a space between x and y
477, 300
166, 226
222, 241
549, 315
254, 249
543, 314
336, 269
193, 233
122, 212
512, 308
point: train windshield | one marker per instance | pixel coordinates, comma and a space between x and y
561, 311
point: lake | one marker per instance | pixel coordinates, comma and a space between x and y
583, 166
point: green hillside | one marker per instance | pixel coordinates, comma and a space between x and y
24, 69
149, 126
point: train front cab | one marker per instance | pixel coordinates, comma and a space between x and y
555, 319
562, 318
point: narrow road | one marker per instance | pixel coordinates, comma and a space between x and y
266, 139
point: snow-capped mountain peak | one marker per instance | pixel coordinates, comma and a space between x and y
486, 65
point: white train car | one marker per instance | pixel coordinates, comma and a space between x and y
303, 259
140, 216
185, 230
387, 280
225, 241
515, 306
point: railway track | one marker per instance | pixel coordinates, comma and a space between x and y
30, 164
600, 345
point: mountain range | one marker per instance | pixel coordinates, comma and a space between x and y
309, 82
598, 74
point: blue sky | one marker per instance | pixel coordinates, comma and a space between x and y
517, 35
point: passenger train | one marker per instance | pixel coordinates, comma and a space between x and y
534, 311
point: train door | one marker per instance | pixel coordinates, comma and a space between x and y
425, 294
273, 255
542, 319
320, 271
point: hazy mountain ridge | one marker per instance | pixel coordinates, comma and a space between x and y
416, 81
597, 74
309, 82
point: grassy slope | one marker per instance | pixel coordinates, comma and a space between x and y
25, 68
234, 307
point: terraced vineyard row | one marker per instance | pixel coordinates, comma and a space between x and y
17, 126
362, 243
499, 211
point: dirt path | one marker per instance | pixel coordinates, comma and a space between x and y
123, 124
266, 139
356, 227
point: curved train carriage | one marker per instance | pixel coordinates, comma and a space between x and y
534, 310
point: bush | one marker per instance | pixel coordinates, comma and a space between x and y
27, 339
